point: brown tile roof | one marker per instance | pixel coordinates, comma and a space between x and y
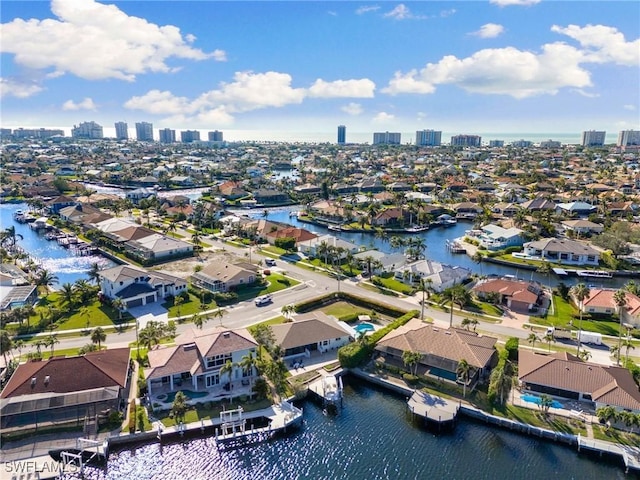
105, 368
610, 385
451, 344
604, 298
307, 329
170, 360
519, 290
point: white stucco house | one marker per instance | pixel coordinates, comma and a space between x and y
562, 251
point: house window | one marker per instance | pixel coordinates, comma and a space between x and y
337, 339
218, 360
591, 258
212, 380
325, 342
592, 309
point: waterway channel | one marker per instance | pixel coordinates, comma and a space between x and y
371, 438
53, 257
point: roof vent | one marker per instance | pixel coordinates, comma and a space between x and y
46, 379
33, 382
226, 334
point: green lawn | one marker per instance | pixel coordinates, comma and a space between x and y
393, 284
616, 436
276, 282
538, 419
484, 308
272, 321
190, 307
210, 410
274, 250
342, 309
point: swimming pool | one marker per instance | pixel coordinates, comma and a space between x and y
188, 393
364, 327
535, 399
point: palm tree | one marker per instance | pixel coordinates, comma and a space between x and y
620, 299
94, 273
628, 345
10, 237
457, 295
581, 292
227, 369
248, 363
545, 269
45, 279
532, 339
68, 293
218, 313
51, 341
98, 336
411, 360
585, 355
632, 287
422, 287
118, 304
151, 334
477, 258
6, 345
179, 406
287, 310
549, 338
199, 320
462, 372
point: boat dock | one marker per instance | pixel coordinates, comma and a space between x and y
630, 455
455, 246
328, 388
433, 409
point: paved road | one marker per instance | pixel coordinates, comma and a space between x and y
312, 284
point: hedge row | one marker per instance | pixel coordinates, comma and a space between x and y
328, 299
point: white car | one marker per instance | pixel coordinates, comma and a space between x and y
263, 300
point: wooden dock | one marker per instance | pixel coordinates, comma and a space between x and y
433, 409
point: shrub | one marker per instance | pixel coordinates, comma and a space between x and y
410, 379
132, 417
354, 354
511, 346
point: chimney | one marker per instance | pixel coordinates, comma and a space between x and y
46, 380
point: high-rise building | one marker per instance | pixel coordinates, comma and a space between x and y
386, 138
342, 134
428, 138
550, 144
188, 136
144, 131
466, 141
593, 138
87, 130
496, 143
122, 130
166, 135
216, 136
522, 143
627, 138
37, 132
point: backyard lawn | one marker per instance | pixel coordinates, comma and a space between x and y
192, 306
276, 282
393, 284
209, 410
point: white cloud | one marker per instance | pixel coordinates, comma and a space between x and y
507, 3
96, 41
520, 74
352, 109
86, 104
629, 107
447, 13
383, 117
248, 91
603, 44
332, 13
489, 30
362, 88
10, 87
367, 9
402, 12
584, 93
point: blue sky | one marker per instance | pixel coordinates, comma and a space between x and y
301, 66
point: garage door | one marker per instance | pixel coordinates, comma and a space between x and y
134, 303
151, 298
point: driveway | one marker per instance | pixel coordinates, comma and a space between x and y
152, 312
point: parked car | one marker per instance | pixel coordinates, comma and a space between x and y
270, 262
263, 300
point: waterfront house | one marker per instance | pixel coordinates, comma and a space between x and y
438, 275
393, 215
582, 227
538, 204
441, 350
195, 361
65, 390
495, 237
299, 235
82, 214
387, 261
56, 204
518, 295
139, 194
601, 302
564, 375
310, 247
157, 248
223, 277
310, 333
563, 251
265, 196
136, 287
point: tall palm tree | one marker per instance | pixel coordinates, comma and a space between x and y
227, 369
287, 310
549, 338
462, 371
68, 294
532, 339
199, 320
218, 313
477, 258
118, 304
620, 299
628, 345
10, 237
51, 341
248, 362
98, 336
411, 360
456, 295
424, 288
545, 269
94, 273
581, 292
6, 344
45, 279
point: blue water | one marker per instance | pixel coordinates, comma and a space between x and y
51, 256
535, 399
189, 393
364, 327
436, 242
371, 438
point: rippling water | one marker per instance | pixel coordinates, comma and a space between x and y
370, 439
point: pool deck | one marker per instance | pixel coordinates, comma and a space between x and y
432, 408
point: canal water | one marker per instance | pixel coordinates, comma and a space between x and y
436, 241
371, 438
53, 257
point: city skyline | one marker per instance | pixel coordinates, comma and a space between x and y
564, 67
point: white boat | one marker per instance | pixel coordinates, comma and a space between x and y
594, 273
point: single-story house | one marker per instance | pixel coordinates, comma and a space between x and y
495, 237
63, 390
300, 235
518, 295
195, 361
311, 247
136, 287
387, 262
564, 375
313, 332
601, 301
441, 349
582, 227
575, 208
158, 248
562, 251
439, 275
223, 276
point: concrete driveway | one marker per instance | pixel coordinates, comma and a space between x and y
152, 312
